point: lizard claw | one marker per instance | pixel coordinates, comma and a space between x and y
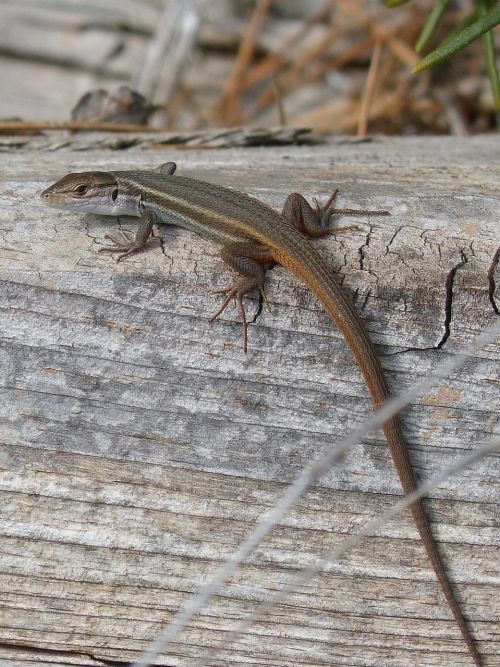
122, 237
236, 292
327, 210
123, 242
265, 299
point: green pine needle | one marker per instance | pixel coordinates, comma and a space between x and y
431, 24
489, 54
394, 3
460, 40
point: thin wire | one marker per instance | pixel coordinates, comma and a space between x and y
334, 554
309, 475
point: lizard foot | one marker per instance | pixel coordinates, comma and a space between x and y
124, 242
236, 292
326, 211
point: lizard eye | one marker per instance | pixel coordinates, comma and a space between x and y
81, 189
114, 194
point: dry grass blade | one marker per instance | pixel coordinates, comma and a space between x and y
371, 81
343, 115
228, 110
32, 127
294, 77
271, 64
400, 49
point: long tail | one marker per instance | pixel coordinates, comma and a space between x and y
317, 275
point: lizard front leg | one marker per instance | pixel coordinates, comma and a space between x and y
315, 221
248, 260
128, 243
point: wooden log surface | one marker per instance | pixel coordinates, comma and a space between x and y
139, 444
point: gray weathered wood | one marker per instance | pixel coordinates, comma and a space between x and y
139, 444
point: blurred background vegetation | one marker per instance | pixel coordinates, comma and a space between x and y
338, 66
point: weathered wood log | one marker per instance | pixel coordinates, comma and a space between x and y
139, 444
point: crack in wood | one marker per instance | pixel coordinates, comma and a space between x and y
492, 283
448, 306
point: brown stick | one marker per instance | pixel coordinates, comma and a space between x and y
228, 109
371, 81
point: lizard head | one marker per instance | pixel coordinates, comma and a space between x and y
88, 192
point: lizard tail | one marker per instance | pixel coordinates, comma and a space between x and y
318, 276
399, 452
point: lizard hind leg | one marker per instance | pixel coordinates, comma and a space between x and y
248, 261
315, 221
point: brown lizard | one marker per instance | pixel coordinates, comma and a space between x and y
253, 236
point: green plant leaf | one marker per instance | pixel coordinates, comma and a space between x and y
489, 54
467, 21
461, 39
431, 24
395, 3
491, 66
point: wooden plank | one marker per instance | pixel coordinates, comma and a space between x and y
139, 444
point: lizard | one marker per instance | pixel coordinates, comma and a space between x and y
253, 237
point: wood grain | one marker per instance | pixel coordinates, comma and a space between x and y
139, 444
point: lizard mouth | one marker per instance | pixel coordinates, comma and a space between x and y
54, 200
50, 197
60, 200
